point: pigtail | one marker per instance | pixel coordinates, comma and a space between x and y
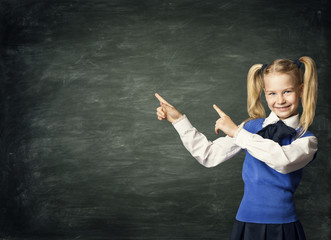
309, 94
255, 108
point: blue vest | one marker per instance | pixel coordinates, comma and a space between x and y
268, 196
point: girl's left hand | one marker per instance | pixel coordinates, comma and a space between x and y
224, 123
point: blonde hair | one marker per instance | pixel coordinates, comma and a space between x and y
255, 85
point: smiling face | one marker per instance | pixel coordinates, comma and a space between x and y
282, 94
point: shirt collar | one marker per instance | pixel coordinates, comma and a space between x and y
293, 121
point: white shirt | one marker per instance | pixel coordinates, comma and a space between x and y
284, 159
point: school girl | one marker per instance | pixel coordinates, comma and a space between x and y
277, 147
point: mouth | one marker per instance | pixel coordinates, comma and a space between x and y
283, 108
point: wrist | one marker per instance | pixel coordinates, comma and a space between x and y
234, 131
237, 130
178, 119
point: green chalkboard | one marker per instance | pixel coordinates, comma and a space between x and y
83, 155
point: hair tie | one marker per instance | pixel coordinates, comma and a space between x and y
298, 63
262, 68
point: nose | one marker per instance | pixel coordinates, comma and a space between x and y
280, 99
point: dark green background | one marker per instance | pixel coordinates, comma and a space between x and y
82, 154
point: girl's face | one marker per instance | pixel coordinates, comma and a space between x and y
282, 94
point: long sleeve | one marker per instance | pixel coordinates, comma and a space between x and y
208, 153
284, 159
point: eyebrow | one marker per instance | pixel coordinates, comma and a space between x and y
286, 89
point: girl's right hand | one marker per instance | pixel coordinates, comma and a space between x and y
166, 110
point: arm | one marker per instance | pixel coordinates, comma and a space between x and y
207, 153
284, 159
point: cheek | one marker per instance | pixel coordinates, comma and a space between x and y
270, 101
293, 99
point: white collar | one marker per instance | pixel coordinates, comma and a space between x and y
293, 121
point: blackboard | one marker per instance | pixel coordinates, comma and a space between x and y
83, 155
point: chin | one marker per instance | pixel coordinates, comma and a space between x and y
283, 115
280, 116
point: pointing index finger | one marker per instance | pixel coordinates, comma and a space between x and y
161, 99
219, 111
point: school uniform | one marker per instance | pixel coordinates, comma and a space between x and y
272, 170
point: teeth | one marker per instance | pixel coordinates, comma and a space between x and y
283, 107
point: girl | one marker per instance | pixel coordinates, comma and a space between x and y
277, 147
